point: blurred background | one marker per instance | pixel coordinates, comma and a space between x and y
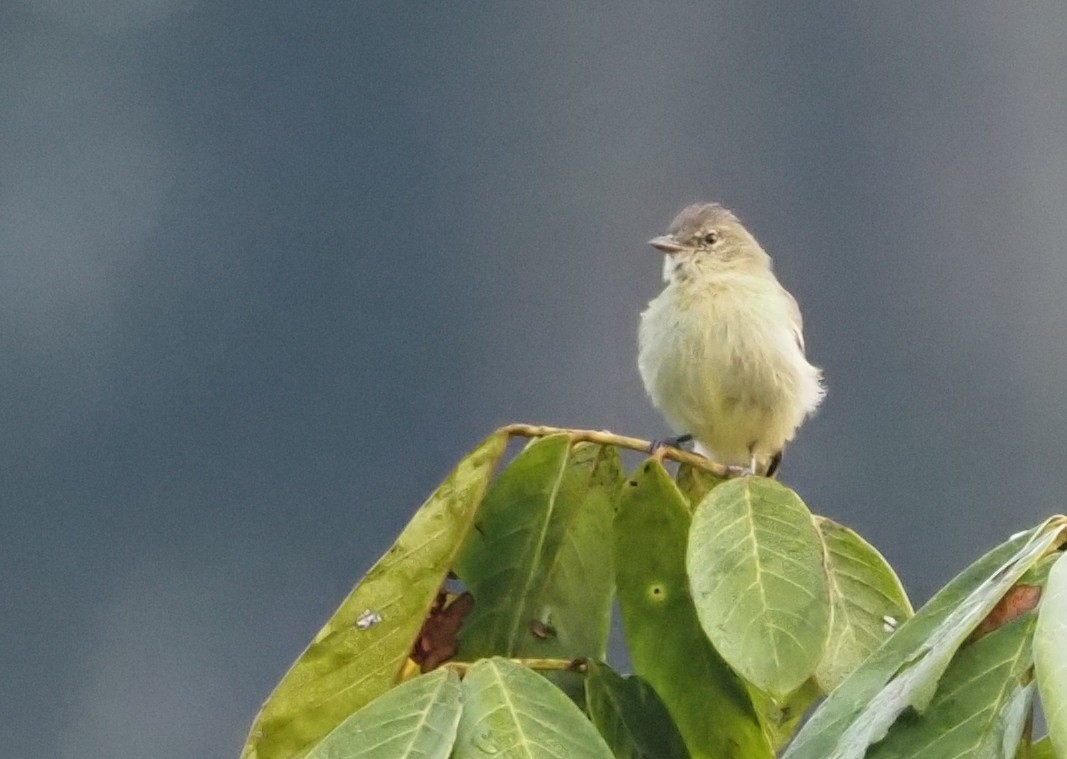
267, 271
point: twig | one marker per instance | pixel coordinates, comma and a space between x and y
603, 437
564, 665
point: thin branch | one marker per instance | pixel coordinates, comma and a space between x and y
565, 665
603, 437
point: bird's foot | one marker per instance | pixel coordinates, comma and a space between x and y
738, 470
670, 442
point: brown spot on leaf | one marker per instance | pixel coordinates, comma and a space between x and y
1019, 600
437, 642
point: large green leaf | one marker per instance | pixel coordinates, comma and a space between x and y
867, 598
980, 705
1050, 654
755, 564
539, 560
630, 716
706, 699
778, 716
905, 670
360, 651
416, 720
511, 711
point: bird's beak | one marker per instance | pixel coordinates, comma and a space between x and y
667, 244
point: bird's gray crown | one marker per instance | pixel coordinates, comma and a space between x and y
696, 217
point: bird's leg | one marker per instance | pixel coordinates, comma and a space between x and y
736, 470
754, 467
670, 442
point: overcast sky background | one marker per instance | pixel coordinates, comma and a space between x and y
268, 270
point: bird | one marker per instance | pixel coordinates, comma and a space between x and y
721, 348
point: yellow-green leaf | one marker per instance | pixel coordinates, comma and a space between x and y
1050, 654
905, 670
360, 651
755, 563
1042, 749
706, 699
980, 705
867, 598
416, 720
780, 717
696, 483
510, 711
539, 559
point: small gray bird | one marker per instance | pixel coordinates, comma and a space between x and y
722, 347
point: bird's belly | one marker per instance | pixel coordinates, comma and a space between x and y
723, 379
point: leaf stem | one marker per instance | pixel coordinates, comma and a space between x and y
563, 665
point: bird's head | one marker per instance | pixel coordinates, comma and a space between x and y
706, 238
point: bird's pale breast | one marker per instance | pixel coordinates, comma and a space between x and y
722, 362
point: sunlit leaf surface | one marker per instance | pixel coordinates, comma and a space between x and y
868, 602
360, 651
416, 720
706, 699
510, 711
756, 568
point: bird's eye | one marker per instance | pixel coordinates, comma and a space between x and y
711, 238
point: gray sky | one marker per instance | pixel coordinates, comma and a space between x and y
265, 275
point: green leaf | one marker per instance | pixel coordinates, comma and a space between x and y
780, 717
539, 560
1042, 749
630, 716
905, 670
360, 651
416, 720
510, 711
1050, 654
696, 483
755, 563
867, 598
706, 699
980, 706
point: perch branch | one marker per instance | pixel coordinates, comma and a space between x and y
603, 437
